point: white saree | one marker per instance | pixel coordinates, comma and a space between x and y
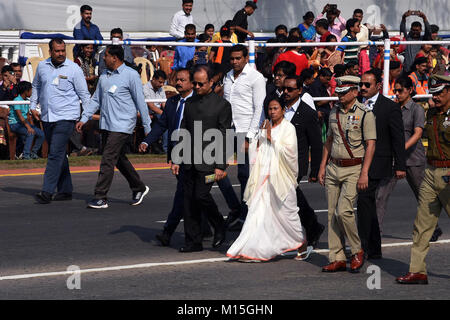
272, 225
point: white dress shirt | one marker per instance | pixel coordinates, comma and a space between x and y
290, 112
179, 21
370, 103
246, 95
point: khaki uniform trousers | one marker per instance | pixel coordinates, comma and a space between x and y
341, 187
434, 195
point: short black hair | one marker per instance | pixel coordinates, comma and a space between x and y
322, 23
298, 81
57, 41
188, 71
116, 51
350, 65
15, 64
188, 1
358, 11
85, 7
189, 26
287, 67
434, 28
23, 86
293, 30
377, 73
203, 37
351, 23
6, 69
159, 74
416, 24
116, 30
325, 72
405, 82
339, 70
205, 68
209, 26
240, 48
329, 37
307, 73
281, 27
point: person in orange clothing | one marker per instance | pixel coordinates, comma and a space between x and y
419, 75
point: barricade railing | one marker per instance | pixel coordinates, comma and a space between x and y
252, 44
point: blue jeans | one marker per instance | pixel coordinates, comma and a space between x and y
28, 139
57, 174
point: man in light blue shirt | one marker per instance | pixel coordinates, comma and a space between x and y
119, 96
58, 87
185, 53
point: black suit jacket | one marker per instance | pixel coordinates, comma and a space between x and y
390, 143
214, 112
309, 138
166, 122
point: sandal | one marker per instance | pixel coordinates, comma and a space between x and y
301, 256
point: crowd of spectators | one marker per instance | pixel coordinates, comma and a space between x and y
316, 66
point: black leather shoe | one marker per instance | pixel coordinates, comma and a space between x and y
164, 238
191, 248
43, 197
62, 197
219, 238
436, 234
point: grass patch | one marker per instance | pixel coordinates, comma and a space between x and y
85, 161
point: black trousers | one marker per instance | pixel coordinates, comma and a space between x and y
197, 199
368, 227
308, 217
114, 156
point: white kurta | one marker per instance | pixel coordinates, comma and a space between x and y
272, 225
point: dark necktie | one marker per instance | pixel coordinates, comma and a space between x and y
180, 113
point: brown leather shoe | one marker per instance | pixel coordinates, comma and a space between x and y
357, 261
413, 278
335, 266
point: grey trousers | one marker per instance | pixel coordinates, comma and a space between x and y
414, 176
114, 156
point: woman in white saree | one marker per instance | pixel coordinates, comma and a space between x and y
272, 226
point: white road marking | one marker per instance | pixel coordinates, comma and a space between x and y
174, 263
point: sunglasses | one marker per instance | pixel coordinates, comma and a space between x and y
289, 89
200, 84
366, 84
397, 90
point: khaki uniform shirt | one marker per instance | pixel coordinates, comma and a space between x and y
443, 129
351, 123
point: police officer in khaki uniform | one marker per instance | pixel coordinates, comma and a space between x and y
346, 159
434, 193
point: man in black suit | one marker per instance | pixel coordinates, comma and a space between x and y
171, 120
390, 146
205, 111
306, 122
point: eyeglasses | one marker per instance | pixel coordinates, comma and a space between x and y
397, 90
289, 89
366, 84
200, 84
